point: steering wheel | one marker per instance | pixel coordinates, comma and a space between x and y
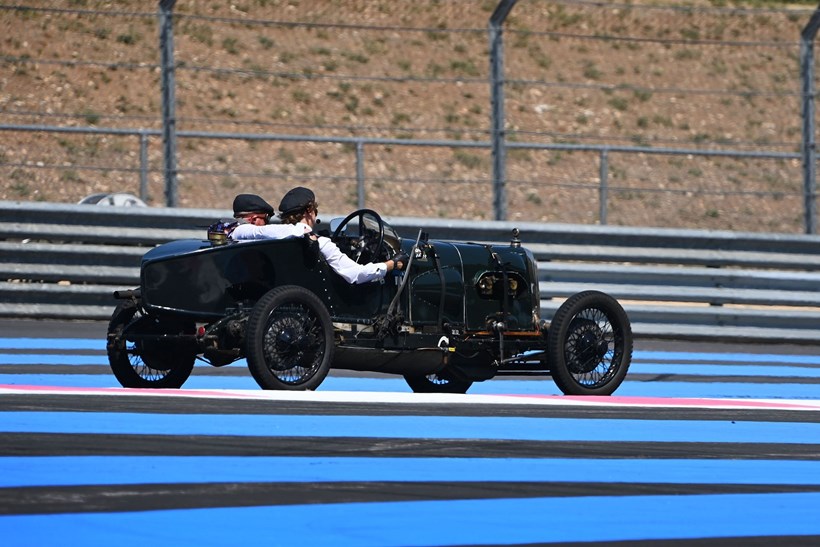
366, 245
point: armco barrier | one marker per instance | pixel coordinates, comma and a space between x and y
64, 261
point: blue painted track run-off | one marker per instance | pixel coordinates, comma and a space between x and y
767, 461
91, 470
457, 522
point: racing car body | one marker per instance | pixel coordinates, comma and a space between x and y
457, 314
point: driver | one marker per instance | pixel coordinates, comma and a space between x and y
298, 210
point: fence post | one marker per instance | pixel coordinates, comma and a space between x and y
603, 191
360, 174
809, 146
497, 132
169, 139
144, 166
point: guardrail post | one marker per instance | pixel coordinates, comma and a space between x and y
603, 190
497, 132
809, 145
166, 44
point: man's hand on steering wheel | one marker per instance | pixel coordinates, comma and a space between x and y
400, 260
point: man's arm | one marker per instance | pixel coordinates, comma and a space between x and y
348, 268
245, 232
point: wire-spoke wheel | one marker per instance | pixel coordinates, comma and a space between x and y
137, 359
589, 345
289, 340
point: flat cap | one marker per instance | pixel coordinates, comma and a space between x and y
251, 203
296, 199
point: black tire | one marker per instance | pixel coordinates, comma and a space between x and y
433, 383
289, 340
144, 363
589, 345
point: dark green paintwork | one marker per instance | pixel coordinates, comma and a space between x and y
202, 281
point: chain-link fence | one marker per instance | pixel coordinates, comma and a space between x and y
626, 114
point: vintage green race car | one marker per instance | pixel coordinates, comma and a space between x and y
459, 313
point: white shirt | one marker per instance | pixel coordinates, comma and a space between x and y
249, 231
342, 264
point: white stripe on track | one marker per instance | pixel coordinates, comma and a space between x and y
425, 398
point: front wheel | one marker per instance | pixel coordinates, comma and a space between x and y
142, 351
433, 383
289, 342
589, 345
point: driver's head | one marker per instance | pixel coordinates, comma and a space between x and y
297, 204
252, 208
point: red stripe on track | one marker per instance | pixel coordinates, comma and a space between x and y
677, 401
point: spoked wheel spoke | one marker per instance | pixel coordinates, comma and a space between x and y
149, 352
140, 367
294, 343
289, 340
590, 348
589, 344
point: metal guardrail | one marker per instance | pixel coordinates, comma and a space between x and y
63, 262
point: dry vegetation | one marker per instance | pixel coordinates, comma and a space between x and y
708, 79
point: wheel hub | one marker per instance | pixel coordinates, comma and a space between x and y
289, 345
291, 340
587, 347
285, 339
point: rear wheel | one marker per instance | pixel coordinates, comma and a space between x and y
145, 362
589, 345
289, 342
434, 383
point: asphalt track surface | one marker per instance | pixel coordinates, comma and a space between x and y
702, 445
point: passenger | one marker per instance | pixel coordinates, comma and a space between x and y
253, 214
298, 210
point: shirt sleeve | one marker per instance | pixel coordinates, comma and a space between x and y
348, 268
245, 232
